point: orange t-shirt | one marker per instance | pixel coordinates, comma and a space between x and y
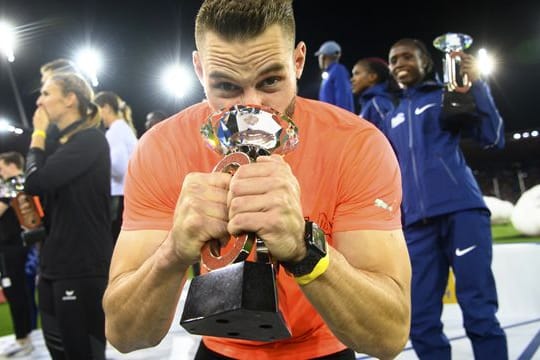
349, 180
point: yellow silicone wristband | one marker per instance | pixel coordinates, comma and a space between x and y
41, 133
318, 270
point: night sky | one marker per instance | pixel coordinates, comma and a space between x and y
138, 38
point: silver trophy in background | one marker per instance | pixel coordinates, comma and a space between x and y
459, 108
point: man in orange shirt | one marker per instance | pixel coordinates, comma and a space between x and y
343, 176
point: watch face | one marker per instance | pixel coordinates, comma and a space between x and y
318, 239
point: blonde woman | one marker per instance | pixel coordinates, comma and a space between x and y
116, 117
75, 181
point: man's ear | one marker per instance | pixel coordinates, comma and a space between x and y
197, 66
299, 54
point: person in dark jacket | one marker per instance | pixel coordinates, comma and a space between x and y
372, 82
446, 222
75, 256
13, 257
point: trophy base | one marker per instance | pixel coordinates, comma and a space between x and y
237, 301
30, 237
458, 112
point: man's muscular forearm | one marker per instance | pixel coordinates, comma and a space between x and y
140, 304
367, 311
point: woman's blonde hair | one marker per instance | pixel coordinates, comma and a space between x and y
118, 105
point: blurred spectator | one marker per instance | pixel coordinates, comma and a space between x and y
153, 117
121, 136
13, 256
75, 256
372, 82
335, 85
47, 70
57, 66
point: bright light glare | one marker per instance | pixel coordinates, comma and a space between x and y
517, 136
7, 41
534, 133
176, 80
90, 62
5, 126
324, 75
486, 63
525, 134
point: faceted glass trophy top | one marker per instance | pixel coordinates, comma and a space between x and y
250, 126
452, 42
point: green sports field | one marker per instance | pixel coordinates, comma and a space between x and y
501, 234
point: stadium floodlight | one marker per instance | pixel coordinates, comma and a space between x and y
5, 126
534, 133
486, 63
176, 80
525, 134
90, 62
516, 136
7, 41
7, 44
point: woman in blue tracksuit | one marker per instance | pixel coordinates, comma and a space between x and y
446, 221
372, 82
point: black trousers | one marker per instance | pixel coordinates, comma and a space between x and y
16, 289
117, 208
72, 317
204, 353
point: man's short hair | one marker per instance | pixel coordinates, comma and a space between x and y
243, 19
13, 157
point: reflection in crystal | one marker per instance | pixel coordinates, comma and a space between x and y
256, 127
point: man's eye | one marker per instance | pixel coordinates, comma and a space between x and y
271, 81
226, 86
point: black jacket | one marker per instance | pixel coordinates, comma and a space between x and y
75, 179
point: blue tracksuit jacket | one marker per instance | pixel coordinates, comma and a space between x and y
436, 178
375, 103
336, 89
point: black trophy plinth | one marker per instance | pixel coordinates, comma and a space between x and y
237, 301
458, 111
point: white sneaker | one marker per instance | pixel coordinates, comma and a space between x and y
17, 350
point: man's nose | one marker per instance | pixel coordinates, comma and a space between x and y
250, 97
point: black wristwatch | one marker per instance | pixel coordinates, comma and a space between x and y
315, 250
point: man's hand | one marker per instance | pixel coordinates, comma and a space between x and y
264, 198
201, 214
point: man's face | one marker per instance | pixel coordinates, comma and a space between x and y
407, 64
258, 71
7, 170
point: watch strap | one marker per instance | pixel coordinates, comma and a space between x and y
318, 270
315, 251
